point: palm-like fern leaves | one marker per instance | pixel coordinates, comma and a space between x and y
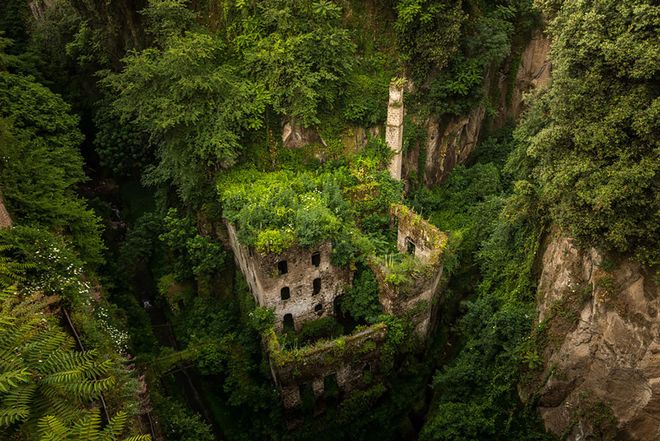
86, 429
40, 372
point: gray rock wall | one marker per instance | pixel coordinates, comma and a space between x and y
602, 360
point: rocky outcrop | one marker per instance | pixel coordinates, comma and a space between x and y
451, 142
5, 219
600, 330
295, 135
534, 69
451, 145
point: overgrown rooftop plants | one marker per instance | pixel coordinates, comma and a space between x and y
345, 203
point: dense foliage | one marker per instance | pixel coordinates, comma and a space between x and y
41, 164
274, 211
593, 137
168, 115
477, 395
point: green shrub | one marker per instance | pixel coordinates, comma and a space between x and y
324, 327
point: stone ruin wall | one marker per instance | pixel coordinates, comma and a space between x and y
359, 353
420, 240
266, 282
347, 358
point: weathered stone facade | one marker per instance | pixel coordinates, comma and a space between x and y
342, 362
394, 129
417, 299
300, 285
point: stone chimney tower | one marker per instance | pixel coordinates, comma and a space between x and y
394, 130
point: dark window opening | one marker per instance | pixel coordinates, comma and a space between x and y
367, 375
316, 259
410, 246
330, 386
287, 321
282, 267
285, 293
317, 285
318, 309
307, 397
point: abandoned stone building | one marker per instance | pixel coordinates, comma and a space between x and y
327, 371
417, 299
300, 285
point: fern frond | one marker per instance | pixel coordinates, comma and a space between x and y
115, 427
10, 380
51, 429
19, 396
87, 428
9, 416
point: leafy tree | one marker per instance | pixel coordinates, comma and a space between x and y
40, 373
41, 164
192, 101
300, 51
361, 299
181, 424
429, 32
122, 148
194, 254
592, 137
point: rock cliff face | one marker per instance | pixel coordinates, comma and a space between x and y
601, 331
5, 219
451, 142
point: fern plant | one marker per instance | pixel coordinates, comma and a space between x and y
88, 428
40, 372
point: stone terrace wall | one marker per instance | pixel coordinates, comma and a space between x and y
266, 282
345, 358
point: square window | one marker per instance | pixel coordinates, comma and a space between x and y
316, 259
316, 286
282, 267
285, 293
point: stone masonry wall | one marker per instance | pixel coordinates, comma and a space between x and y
394, 129
266, 282
418, 299
346, 358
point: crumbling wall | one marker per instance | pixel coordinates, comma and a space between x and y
312, 284
346, 358
416, 299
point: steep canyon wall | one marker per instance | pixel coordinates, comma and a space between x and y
600, 324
